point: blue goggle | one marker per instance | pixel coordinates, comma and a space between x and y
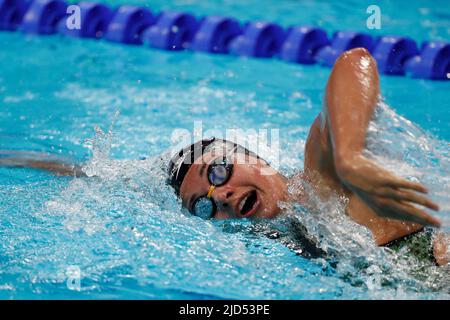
218, 174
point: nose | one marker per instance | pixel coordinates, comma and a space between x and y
222, 196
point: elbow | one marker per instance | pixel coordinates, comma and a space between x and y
358, 70
357, 59
361, 52
356, 53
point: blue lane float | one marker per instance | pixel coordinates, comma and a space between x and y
43, 16
179, 31
11, 13
215, 34
128, 25
343, 41
95, 18
392, 52
302, 44
172, 31
260, 39
432, 63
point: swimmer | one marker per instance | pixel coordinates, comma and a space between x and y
237, 184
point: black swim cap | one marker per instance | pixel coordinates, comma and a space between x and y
181, 162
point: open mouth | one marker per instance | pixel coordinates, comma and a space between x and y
247, 206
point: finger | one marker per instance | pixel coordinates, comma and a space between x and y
411, 196
406, 211
406, 184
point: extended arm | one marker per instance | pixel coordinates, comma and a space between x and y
18, 159
351, 98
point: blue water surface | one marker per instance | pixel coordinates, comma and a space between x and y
123, 229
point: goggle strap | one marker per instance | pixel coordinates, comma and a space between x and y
210, 192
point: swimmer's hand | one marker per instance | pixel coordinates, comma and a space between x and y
388, 195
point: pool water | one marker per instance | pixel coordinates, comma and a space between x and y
123, 229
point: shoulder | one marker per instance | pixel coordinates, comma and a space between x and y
318, 150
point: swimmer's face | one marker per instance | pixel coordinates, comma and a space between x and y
253, 190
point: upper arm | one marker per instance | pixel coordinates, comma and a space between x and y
351, 96
319, 163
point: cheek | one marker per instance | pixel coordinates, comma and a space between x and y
271, 206
271, 194
250, 174
262, 182
222, 216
